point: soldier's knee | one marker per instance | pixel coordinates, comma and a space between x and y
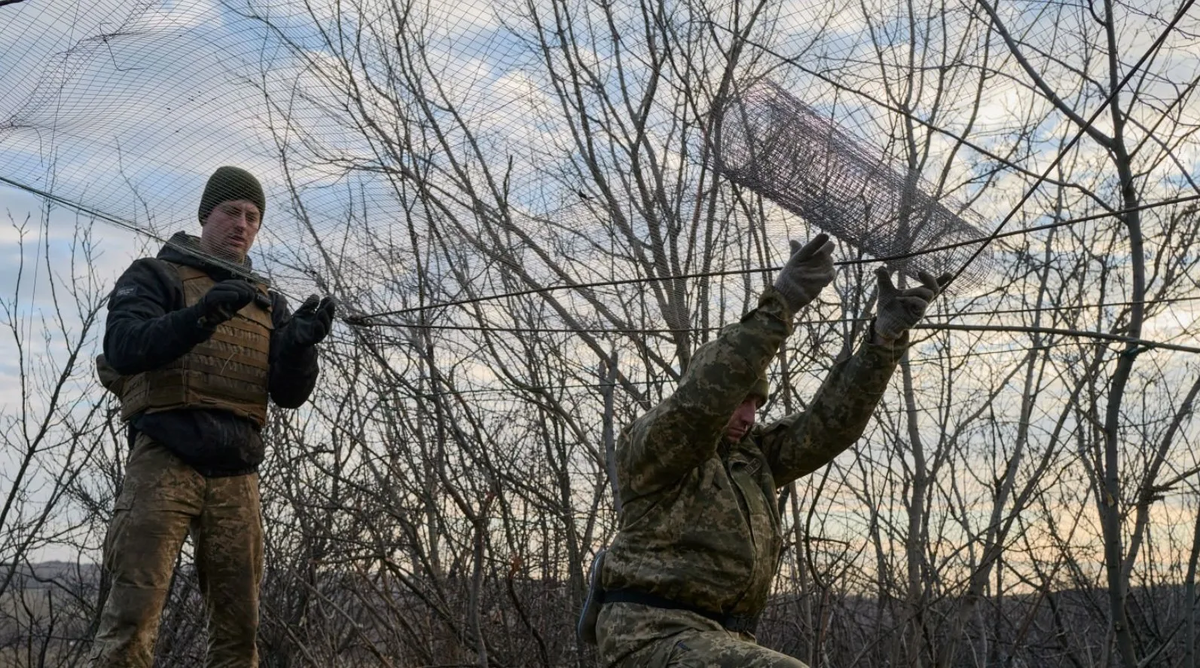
133, 610
123, 647
233, 647
236, 628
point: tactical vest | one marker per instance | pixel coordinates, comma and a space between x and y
228, 371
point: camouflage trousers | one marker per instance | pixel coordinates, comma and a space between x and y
638, 636
161, 502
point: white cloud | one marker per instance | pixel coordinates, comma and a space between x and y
453, 19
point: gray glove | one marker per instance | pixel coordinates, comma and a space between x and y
898, 309
808, 271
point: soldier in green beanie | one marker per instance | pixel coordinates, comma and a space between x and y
195, 345
700, 534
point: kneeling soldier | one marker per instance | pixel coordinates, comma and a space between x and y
690, 569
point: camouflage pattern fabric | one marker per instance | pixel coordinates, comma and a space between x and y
644, 637
699, 522
162, 500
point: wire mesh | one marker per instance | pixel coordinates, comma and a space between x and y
769, 141
419, 154
441, 165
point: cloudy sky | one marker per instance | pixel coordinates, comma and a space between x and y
127, 114
125, 108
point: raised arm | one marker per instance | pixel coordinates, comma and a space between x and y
804, 442
685, 429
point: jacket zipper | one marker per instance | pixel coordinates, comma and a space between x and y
745, 508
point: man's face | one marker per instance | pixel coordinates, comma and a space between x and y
743, 419
230, 228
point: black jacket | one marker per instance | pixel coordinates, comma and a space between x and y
149, 326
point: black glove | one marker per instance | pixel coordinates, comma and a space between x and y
311, 322
223, 300
898, 309
807, 272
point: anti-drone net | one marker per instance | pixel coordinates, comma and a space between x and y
444, 153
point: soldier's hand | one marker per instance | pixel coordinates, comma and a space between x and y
807, 272
899, 309
223, 300
311, 322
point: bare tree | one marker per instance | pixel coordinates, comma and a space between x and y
531, 243
51, 431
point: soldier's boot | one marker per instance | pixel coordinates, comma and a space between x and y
229, 563
158, 501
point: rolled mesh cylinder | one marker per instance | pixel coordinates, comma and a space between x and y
772, 143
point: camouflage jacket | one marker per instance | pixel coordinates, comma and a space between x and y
699, 523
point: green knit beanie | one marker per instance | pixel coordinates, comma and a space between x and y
228, 183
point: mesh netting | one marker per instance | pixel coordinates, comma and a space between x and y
376, 127
769, 141
126, 114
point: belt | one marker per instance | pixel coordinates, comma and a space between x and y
735, 623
